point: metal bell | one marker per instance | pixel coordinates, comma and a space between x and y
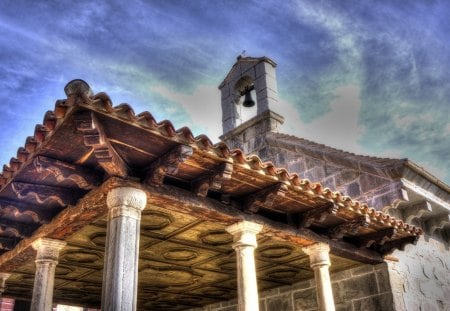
248, 100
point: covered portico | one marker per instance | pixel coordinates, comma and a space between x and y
109, 199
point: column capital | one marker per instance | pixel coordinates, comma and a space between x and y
3, 278
318, 254
244, 233
47, 249
126, 201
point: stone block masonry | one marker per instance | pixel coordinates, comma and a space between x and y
364, 287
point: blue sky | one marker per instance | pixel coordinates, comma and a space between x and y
366, 76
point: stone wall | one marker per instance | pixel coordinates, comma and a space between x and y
365, 287
421, 277
376, 191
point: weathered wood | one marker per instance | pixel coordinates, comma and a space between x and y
167, 164
317, 214
93, 206
19, 209
208, 209
95, 138
8, 243
389, 246
21, 230
378, 237
349, 227
213, 180
43, 195
63, 173
264, 198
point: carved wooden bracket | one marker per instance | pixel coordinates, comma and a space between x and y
349, 227
264, 197
95, 138
400, 244
63, 173
167, 164
376, 238
213, 181
317, 214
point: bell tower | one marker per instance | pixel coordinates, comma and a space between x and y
250, 75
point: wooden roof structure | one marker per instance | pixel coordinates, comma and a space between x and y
56, 187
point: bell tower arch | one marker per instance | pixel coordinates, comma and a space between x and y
250, 78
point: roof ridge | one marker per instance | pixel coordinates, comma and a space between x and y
336, 151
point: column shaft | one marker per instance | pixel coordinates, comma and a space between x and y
324, 289
246, 274
46, 261
320, 262
244, 236
120, 271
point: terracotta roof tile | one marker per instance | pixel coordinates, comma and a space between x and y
102, 103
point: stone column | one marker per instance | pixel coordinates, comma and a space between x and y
244, 237
46, 261
320, 261
120, 271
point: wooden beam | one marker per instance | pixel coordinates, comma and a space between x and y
63, 173
8, 243
179, 200
349, 227
93, 207
167, 164
18, 209
400, 244
264, 198
21, 230
375, 238
43, 195
317, 214
95, 138
213, 180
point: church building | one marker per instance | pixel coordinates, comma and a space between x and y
103, 208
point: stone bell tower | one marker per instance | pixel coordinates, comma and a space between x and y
256, 75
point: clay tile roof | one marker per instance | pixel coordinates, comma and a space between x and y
252, 171
386, 167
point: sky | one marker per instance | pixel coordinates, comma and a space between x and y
371, 77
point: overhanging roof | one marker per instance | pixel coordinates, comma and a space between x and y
56, 185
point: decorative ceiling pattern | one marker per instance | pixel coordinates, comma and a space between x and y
184, 262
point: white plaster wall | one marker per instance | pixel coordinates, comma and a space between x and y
420, 279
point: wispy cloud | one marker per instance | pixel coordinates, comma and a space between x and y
368, 77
